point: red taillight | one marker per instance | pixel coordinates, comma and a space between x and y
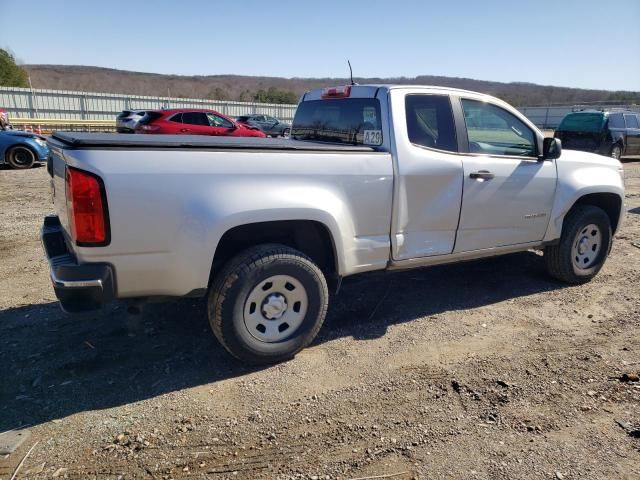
337, 92
87, 208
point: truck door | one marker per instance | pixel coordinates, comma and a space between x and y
195, 123
428, 189
508, 191
219, 125
633, 134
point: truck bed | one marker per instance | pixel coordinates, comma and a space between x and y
81, 140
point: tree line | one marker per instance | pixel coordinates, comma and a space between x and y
275, 89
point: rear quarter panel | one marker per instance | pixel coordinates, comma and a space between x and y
169, 208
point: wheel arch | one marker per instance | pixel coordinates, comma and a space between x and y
10, 148
610, 202
311, 237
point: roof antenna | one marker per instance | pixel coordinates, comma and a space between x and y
351, 73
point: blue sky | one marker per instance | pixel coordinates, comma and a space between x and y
577, 43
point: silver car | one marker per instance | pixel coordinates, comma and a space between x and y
127, 120
271, 126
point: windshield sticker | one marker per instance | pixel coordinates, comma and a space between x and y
372, 137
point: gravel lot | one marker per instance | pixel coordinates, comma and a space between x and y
472, 371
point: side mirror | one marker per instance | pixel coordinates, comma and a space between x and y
551, 148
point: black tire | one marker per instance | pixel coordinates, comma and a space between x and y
285, 132
21, 157
560, 260
231, 292
616, 151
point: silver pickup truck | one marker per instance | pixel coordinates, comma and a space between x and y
373, 177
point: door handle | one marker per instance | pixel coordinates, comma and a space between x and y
184, 129
483, 175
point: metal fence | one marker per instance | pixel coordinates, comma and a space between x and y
25, 103
70, 105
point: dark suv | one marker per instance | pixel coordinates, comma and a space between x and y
612, 133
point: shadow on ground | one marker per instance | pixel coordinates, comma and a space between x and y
56, 365
4, 166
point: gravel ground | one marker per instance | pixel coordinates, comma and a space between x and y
479, 370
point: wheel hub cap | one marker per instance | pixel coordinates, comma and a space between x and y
275, 308
22, 157
586, 247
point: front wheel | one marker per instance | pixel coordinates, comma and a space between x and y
285, 132
21, 157
616, 151
267, 304
584, 245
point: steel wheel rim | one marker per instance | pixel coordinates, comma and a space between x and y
22, 156
275, 308
586, 247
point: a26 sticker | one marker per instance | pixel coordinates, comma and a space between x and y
372, 137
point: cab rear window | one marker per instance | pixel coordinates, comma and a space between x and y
582, 122
355, 121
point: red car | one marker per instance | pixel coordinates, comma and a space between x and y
194, 122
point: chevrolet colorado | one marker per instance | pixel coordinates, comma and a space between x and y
373, 177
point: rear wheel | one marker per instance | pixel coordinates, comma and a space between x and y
21, 157
267, 304
584, 245
616, 151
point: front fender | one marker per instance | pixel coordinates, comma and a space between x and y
581, 174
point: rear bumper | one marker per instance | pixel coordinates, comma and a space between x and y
79, 287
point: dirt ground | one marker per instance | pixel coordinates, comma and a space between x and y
472, 371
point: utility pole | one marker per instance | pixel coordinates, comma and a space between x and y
34, 103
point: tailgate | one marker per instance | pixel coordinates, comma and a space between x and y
56, 166
585, 141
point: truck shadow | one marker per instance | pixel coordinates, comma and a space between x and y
55, 365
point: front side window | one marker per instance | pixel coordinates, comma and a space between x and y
195, 118
494, 131
355, 121
631, 121
430, 122
616, 121
218, 121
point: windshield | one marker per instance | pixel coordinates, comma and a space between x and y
355, 121
582, 122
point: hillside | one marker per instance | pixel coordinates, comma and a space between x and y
236, 87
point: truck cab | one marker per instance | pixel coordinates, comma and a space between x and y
470, 170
